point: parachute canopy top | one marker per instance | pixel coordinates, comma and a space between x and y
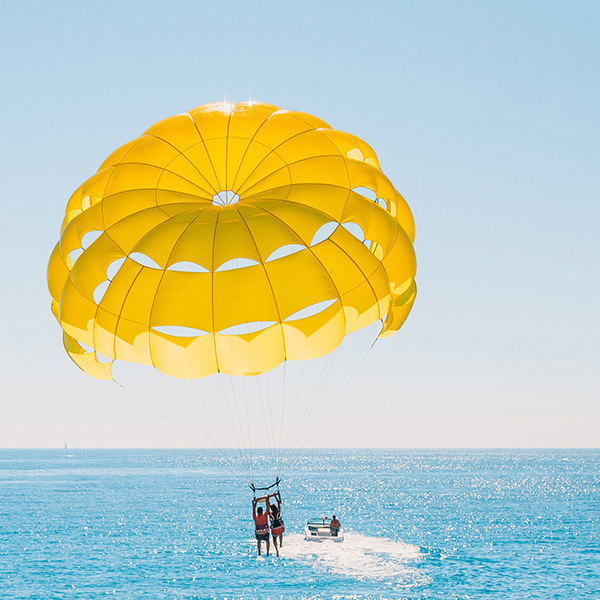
228, 239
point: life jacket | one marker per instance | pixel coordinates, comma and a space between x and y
276, 520
261, 524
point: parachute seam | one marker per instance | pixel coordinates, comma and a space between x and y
164, 169
205, 147
114, 166
250, 141
353, 138
273, 150
366, 278
336, 221
151, 231
107, 229
352, 260
319, 262
355, 263
287, 163
212, 291
182, 153
110, 175
98, 306
329, 140
154, 192
120, 315
295, 162
379, 172
227, 147
262, 262
154, 228
110, 312
319, 183
311, 207
150, 189
286, 140
199, 206
162, 277
297, 116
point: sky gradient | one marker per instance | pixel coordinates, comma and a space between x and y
484, 116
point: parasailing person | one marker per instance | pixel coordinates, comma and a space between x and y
271, 514
261, 524
277, 526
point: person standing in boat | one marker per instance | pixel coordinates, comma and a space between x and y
277, 526
261, 523
334, 526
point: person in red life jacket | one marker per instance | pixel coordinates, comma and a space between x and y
277, 526
261, 523
334, 526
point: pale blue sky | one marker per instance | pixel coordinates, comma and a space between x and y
484, 115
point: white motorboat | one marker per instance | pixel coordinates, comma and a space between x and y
318, 530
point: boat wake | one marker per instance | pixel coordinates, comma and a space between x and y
359, 556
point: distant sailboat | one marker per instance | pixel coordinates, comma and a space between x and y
65, 447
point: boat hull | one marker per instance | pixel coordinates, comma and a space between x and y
322, 534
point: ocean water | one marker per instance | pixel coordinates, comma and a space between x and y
175, 524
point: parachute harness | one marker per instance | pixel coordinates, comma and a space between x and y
266, 489
276, 494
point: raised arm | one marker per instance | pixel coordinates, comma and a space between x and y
254, 508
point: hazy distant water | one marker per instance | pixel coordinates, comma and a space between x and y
423, 524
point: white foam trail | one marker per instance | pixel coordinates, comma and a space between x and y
359, 556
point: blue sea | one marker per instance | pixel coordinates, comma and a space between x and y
175, 524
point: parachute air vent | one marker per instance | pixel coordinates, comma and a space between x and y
225, 198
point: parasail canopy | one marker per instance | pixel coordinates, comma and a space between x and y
229, 239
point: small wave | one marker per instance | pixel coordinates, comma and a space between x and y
358, 556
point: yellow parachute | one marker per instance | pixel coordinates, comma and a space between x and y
229, 239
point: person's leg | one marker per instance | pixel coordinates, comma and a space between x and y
268, 545
275, 545
258, 546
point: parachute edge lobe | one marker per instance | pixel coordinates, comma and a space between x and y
87, 361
